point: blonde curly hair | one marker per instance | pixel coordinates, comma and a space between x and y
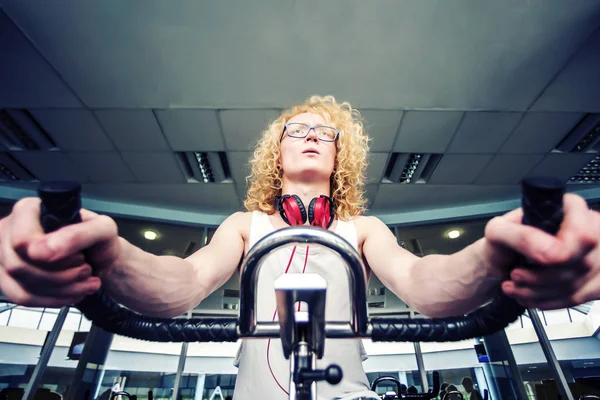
347, 181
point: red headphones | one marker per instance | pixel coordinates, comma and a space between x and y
321, 211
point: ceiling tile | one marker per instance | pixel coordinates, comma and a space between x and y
576, 86
239, 165
508, 169
102, 167
418, 197
26, 78
73, 129
154, 167
243, 128
191, 129
540, 132
561, 166
427, 131
456, 169
376, 167
483, 132
382, 127
133, 130
50, 165
422, 54
200, 197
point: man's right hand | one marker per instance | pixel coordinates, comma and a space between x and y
54, 269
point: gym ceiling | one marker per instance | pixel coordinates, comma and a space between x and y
120, 95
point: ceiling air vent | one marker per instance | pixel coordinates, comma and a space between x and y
205, 167
585, 136
19, 130
11, 170
411, 167
590, 173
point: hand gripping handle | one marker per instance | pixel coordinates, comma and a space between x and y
60, 206
542, 208
542, 203
61, 202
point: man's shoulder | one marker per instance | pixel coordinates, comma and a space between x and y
240, 221
366, 221
239, 218
366, 225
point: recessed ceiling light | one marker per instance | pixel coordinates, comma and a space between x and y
453, 233
150, 235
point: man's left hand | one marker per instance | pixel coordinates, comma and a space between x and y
566, 267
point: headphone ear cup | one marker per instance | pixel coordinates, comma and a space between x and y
321, 212
311, 211
279, 200
301, 208
292, 210
331, 210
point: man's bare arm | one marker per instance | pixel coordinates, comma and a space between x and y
167, 286
434, 285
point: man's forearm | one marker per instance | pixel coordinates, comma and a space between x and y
450, 285
160, 286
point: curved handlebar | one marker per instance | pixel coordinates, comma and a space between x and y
296, 235
542, 205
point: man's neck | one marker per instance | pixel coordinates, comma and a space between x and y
306, 191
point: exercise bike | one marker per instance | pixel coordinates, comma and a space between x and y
303, 338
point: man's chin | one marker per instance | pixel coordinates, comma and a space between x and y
311, 175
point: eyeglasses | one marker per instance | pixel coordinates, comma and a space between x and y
300, 131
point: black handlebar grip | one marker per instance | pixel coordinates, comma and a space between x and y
61, 202
542, 203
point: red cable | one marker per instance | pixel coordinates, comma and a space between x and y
290, 261
304, 269
273, 319
270, 369
275, 314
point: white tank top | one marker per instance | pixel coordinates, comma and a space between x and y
266, 376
